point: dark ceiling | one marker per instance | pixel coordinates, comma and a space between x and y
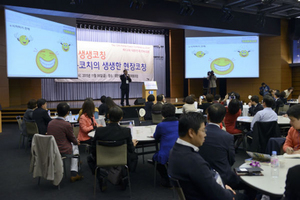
271, 8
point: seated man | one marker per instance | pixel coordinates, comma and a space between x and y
204, 106
218, 149
254, 105
167, 133
267, 114
65, 139
292, 185
41, 117
196, 177
156, 108
292, 142
112, 132
278, 102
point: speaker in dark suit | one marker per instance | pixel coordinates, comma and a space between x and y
125, 80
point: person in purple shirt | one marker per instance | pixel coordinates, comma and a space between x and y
167, 133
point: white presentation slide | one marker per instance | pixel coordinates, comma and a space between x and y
228, 57
39, 48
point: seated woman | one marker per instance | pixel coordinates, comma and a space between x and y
167, 133
103, 109
87, 122
80, 111
31, 105
189, 105
233, 111
148, 107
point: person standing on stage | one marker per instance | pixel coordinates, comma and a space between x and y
125, 80
211, 77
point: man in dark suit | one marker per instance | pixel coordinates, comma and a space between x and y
218, 149
125, 80
113, 132
196, 177
41, 117
254, 105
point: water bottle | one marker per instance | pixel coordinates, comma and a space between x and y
274, 165
70, 115
49, 113
130, 125
176, 100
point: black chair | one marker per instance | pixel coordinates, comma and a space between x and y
262, 132
177, 188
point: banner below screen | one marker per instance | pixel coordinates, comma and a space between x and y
105, 62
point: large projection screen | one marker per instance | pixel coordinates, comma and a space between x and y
228, 56
39, 48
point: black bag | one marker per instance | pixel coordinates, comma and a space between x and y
115, 175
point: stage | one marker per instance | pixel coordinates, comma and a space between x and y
9, 114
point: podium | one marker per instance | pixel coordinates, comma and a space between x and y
149, 87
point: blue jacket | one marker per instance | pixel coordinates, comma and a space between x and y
167, 133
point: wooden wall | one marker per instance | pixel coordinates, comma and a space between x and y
14, 91
4, 84
176, 63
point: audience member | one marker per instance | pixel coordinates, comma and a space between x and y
156, 109
65, 139
292, 184
41, 117
110, 103
209, 102
218, 149
113, 132
197, 179
87, 122
267, 114
167, 133
288, 92
282, 97
278, 102
80, 111
264, 89
148, 107
103, 109
189, 105
164, 99
217, 98
292, 142
28, 115
254, 105
233, 111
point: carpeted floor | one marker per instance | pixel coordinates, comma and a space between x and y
17, 183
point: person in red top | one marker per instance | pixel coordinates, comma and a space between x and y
233, 111
62, 131
292, 142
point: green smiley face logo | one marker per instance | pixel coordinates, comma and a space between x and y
200, 54
46, 60
23, 40
65, 47
222, 66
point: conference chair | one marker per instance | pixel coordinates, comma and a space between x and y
46, 161
111, 154
64, 157
262, 132
156, 118
21, 140
31, 129
76, 132
155, 169
177, 188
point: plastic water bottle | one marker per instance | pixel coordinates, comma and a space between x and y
49, 113
274, 165
176, 100
70, 115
